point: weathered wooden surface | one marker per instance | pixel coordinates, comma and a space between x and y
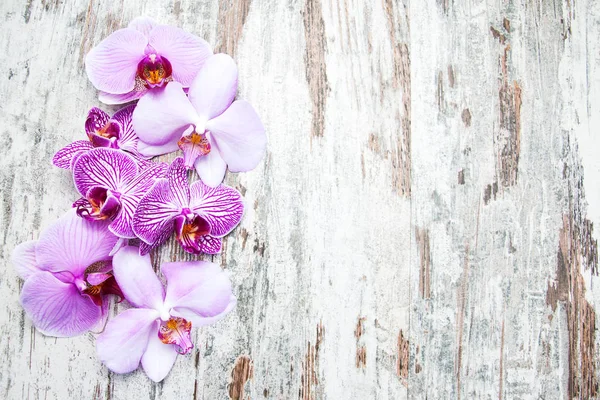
421, 227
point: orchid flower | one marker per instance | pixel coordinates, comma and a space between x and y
158, 328
199, 215
212, 130
67, 275
112, 186
103, 131
142, 57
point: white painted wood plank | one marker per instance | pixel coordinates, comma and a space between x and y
403, 235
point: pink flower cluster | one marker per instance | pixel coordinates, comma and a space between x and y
130, 204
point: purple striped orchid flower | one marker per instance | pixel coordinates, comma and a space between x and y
158, 328
114, 132
67, 275
199, 215
213, 131
112, 186
143, 57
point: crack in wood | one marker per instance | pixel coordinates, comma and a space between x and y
242, 372
422, 238
89, 28
403, 358
401, 154
461, 305
314, 60
461, 177
451, 76
508, 139
501, 377
569, 288
309, 380
489, 192
466, 117
361, 349
577, 252
232, 17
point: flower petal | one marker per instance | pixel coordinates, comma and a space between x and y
131, 196
214, 88
128, 140
57, 308
137, 279
144, 164
140, 185
146, 248
108, 168
153, 218
162, 114
178, 182
111, 98
122, 224
112, 65
121, 346
210, 245
23, 259
143, 24
149, 150
221, 206
72, 244
158, 359
64, 157
118, 246
240, 136
211, 167
186, 52
199, 290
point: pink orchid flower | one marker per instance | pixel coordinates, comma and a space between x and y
213, 131
142, 57
114, 132
67, 275
158, 328
112, 185
199, 215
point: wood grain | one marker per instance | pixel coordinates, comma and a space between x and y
422, 225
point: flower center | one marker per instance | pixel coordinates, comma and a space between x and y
99, 204
189, 230
106, 136
98, 282
193, 146
153, 71
176, 331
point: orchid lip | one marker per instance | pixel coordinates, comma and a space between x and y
99, 204
190, 232
194, 145
106, 136
154, 70
176, 331
97, 292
